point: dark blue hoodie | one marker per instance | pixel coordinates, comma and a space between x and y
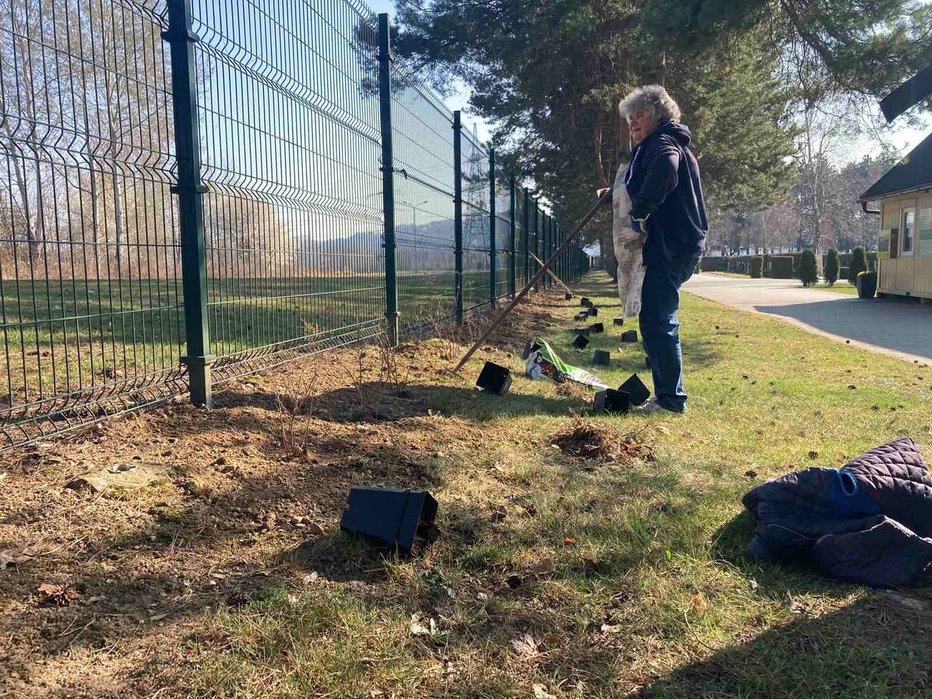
664, 186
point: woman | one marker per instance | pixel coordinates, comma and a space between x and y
667, 207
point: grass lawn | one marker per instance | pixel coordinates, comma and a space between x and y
840, 287
727, 274
554, 574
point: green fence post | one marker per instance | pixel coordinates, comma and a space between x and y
537, 236
388, 179
492, 290
458, 214
525, 235
512, 246
190, 191
542, 245
559, 238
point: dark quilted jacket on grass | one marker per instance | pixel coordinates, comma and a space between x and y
869, 522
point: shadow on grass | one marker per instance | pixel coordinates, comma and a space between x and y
773, 579
375, 402
876, 647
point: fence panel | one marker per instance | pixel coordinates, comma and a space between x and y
502, 236
476, 213
289, 121
423, 140
89, 284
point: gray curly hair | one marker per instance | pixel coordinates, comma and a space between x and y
654, 100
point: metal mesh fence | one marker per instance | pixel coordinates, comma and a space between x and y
521, 258
89, 292
502, 237
476, 223
290, 144
424, 223
284, 246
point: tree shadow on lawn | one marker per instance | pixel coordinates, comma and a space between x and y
774, 580
377, 402
630, 356
875, 647
878, 646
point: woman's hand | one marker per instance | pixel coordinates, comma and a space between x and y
639, 225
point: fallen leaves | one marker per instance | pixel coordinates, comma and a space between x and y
430, 630
8, 559
544, 566
59, 595
525, 646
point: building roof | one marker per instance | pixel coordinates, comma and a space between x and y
912, 172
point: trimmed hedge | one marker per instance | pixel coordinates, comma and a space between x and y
714, 264
781, 267
757, 267
742, 264
808, 272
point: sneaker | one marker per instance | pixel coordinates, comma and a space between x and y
652, 406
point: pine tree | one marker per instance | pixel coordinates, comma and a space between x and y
858, 264
808, 272
832, 267
554, 71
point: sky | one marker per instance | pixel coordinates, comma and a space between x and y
902, 138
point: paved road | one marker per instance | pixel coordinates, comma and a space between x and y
899, 327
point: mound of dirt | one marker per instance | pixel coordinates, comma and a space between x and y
595, 442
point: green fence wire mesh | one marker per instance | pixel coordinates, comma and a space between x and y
197, 188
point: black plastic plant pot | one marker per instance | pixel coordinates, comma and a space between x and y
602, 358
612, 401
597, 328
635, 388
389, 517
528, 348
581, 331
581, 316
581, 342
585, 302
593, 311
494, 379
629, 336
867, 285
619, 322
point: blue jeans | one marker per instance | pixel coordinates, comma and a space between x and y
660, 329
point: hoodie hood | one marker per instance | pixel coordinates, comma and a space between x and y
678, 131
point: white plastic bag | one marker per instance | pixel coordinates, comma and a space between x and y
629, 248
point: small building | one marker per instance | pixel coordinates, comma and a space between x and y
904, 246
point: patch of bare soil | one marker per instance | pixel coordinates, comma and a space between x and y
593, 441
95, 585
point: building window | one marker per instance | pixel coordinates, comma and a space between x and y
909, 229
